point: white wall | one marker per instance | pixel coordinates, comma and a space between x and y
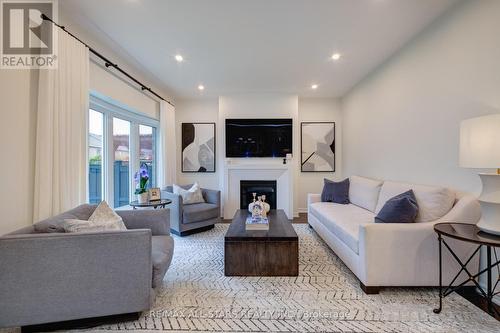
18, 96
403, 121
197, 110
105, 83
319, 109
260, 106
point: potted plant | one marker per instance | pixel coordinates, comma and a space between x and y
141, 180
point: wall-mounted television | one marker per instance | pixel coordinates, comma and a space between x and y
258, 137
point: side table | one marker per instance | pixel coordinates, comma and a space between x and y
472, 234
153, 203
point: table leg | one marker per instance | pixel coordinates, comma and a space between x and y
438, 310
489, 282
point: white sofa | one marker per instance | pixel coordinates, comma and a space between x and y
394, 254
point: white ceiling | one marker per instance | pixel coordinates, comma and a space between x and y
260, 46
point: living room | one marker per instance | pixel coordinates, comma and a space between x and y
325, 166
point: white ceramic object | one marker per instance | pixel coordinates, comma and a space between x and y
142, 198
490, 204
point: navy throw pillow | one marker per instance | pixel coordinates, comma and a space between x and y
402, 208
337, 192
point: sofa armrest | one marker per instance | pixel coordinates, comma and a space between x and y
176, 208
156, 220
393, 254
466, 210
60, 276
313, 197
211, 196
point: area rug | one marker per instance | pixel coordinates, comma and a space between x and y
325, 297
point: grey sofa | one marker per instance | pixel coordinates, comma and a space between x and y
193, 218
49, 276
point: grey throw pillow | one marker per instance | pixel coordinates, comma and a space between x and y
337, 192
402, 208
74, 225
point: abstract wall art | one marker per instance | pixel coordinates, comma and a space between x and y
317, 143
198, 147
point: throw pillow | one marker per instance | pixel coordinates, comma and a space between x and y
191, 196
104, 215
402, 208
74, 225
337, 192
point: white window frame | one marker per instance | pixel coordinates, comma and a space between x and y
113, 109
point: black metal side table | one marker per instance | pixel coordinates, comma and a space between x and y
152, 203
472, 234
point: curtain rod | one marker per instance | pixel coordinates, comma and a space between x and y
108, 63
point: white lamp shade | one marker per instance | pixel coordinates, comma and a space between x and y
480, 142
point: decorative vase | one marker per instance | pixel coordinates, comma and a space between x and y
142, 198
250, 206
265, 206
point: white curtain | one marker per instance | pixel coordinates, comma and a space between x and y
61, 137
168, 161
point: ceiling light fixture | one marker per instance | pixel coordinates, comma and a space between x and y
314, 86
179, 58
201, 87
336, 56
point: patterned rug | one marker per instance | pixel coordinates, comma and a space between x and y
325, 297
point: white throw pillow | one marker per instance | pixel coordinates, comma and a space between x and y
191, 196
105, 216
433, 202
74, 225
364, 192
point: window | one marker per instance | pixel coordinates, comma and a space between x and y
96, 137
120, 141
121, 164
147, 144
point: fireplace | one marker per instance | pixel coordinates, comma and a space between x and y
261, 187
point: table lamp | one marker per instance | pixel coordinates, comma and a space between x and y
480, 148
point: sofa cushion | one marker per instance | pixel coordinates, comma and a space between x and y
199, 212
402, 208
342, 220
55, 223
104, 216
433, 202
162, 250
364, 192
337, 192
190, 196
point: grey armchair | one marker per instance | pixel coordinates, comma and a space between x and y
193, 218
49, 276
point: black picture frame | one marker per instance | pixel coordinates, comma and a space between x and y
334, 143
185, 136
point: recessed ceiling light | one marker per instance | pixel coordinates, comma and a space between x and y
201, 87
179, 58
336, 56
314, 86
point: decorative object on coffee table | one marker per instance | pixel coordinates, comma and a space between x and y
141, 179
469, 233
480, 148
261, 253
198, 147
162, 203
317, 146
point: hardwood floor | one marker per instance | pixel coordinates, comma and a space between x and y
300, 220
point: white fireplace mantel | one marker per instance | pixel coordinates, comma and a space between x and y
234, 172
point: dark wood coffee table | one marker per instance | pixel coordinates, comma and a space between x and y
261, 253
